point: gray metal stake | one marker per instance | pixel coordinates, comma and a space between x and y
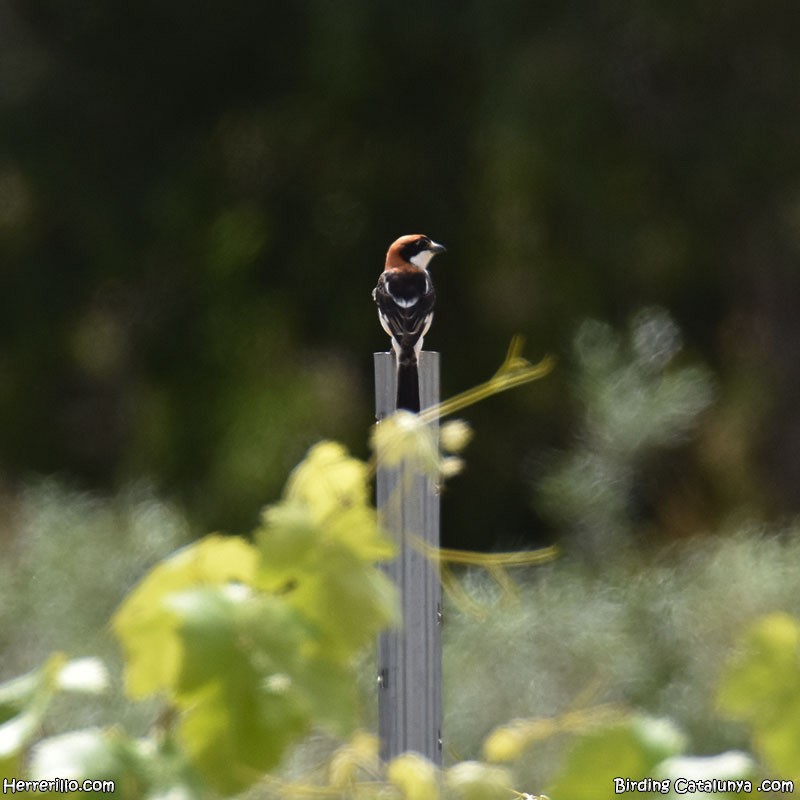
410, 658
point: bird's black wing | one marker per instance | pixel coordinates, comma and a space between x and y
405, 300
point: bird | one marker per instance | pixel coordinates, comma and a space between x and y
405, 297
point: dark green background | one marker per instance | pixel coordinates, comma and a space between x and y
195, 200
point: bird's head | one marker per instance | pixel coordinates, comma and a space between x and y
415, 249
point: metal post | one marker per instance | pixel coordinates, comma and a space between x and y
410, 658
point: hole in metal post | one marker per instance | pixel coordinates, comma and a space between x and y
383, 679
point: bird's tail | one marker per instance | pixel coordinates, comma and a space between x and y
408, 382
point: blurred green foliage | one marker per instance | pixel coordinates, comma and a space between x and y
67, 559
245, 648
246, 645
195, 201
636, 403
646, 633
251, 644
631, 748
622, 675
761, 686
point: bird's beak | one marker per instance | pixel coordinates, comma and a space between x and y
437, 248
